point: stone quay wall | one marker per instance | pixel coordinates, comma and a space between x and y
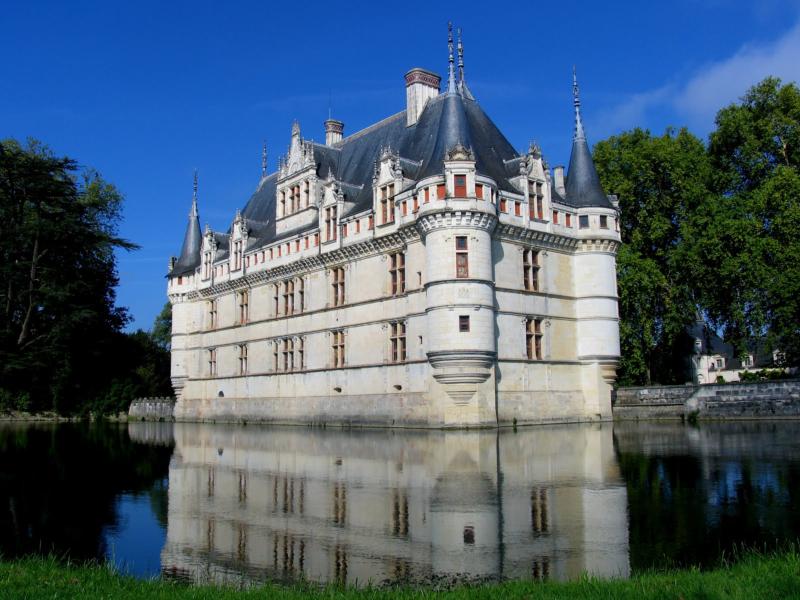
152, 409
750, 400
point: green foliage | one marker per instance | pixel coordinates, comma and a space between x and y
745, 246
764, 375
162, 328
61, 346
659, 181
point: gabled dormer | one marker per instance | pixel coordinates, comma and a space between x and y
209, 252
533, 182
459, 171
331, 207
387, 182
238, 242
297, 181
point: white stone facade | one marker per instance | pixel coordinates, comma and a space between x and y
454, 300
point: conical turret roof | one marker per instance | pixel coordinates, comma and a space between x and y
189, 259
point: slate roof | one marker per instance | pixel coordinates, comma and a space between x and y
189, 258
448, 119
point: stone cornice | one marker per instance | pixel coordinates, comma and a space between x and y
544, 239
598, 245
456, 218
364, 249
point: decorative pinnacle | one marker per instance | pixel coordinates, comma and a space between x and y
193, 212
264, 160
460, 58
579, 133
451, 81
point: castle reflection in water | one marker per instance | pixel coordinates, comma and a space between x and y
250, 504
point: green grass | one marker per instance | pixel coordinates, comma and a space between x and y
773, 576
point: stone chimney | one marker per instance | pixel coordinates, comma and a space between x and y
558, 181
421, 86
333, 132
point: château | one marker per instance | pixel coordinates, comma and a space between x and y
420, 272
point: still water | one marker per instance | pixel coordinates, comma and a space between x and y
239, 504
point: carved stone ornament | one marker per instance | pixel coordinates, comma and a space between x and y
459, 152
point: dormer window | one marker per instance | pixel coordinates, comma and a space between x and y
536, 200
237, 255
206, 265
460, 186
330, 223
387, 205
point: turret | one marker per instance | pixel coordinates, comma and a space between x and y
189, 258
595, 272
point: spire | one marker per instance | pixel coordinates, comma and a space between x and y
451, 79
190, 251
264, 160
576, 99
583, 186
193, 212
462, 83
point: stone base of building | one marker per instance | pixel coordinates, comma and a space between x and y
436, 405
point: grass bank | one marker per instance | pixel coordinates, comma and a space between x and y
754, 576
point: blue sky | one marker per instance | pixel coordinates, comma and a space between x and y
146, 92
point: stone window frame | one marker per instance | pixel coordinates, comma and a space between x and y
242, 359
462, 256
338, 286
338, 348
531, 268
398, 347
397, 273
463, 324
212, 362
534, 338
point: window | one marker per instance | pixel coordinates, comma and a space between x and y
330, 223
371, 222
276, 299
283, 203
206, 265
503, 205
536, 200
212, 362
337, 348
287, 354
337, 283
568, 218
720, 363
603, 222
301, 353
533, 338
555, 217
397, 273
404, 207
440, 191
427, 195
463, 323
237, 255
243, 359
415, 204
397, 337
479, 191
583, 221
530, 270
288, 297
460, 185
275, 355
212, 314
300, 287
387, 203
517, 208
358, 225
462, 257
244, 306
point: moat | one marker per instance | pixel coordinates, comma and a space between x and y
246, 503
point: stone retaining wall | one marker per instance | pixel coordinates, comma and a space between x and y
763, 399
152, 409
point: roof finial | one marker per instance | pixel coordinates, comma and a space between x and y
579, 133
264, 159
451, 81
194, 212
460, 58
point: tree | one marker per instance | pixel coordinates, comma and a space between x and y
746, 244
660, 182
162, 327
58, 319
